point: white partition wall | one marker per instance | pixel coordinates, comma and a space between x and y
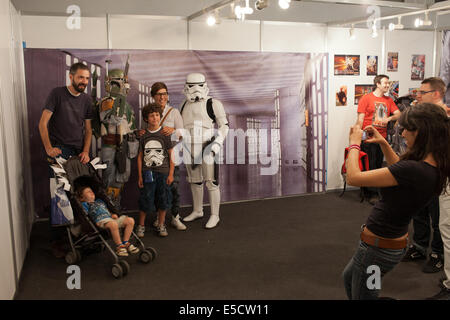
51, 31
143, 32
229, 35
405, 42
17, 208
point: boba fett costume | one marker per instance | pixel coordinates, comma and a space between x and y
114, 122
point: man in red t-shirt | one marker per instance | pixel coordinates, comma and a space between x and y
376, 109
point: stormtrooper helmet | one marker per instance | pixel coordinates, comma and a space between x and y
153, 154
195, 88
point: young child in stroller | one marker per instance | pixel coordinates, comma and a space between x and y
101, 216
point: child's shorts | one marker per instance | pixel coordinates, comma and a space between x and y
155, 195
101, 224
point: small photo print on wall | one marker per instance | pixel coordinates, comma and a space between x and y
341, 96
393, 89
413, 92
361, 90
372, 65
418, 67
346, 65
392, 63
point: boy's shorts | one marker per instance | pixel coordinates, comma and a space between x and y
101, 224
155, 195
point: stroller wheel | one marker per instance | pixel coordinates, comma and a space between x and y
125, 267
117, 271
145, 256
153, 252
71, 257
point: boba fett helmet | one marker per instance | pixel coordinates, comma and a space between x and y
116, 82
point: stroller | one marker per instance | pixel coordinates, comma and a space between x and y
82, 233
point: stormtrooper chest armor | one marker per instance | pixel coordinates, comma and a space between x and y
196, 118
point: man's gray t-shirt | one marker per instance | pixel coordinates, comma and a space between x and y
66, 126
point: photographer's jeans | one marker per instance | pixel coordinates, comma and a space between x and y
356, 272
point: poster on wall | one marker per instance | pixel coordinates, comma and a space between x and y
361, 90
393, 89
392, 62
413, 92
444, 72
418, 67
372, 65
341, 96
250, 170
346, 65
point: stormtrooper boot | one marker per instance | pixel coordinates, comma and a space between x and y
177, 224
197, 203
214, 199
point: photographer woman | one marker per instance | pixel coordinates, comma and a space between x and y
406, 185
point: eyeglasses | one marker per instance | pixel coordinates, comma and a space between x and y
421, 92
162, 94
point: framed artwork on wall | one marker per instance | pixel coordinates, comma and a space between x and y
346, 65
361, 90
418, 67
392, 62
394, 89
372, 65
341, 96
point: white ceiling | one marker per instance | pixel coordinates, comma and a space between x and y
311, 11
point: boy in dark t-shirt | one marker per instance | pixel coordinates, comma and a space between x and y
155, 170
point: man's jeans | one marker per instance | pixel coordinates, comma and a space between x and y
421, 224
356, 272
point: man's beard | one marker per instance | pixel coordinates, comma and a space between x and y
78, 86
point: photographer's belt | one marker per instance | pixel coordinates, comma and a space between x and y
371, 239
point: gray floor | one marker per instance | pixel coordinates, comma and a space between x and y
290, 248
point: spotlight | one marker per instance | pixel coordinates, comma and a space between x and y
427, 22
284, 4
261, 4
240, 12
352, 33
374, 30
391, 26
399, 25
211, 20
418, 22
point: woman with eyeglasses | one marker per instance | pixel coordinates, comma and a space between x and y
172, 124
406, 186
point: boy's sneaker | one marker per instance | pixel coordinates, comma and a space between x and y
177, 224
413, 254
162, 231
140, 231
434, 264
121, 251
156, 223
131, 248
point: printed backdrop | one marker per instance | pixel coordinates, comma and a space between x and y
272, 93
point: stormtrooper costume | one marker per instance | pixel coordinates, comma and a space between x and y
202, 144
